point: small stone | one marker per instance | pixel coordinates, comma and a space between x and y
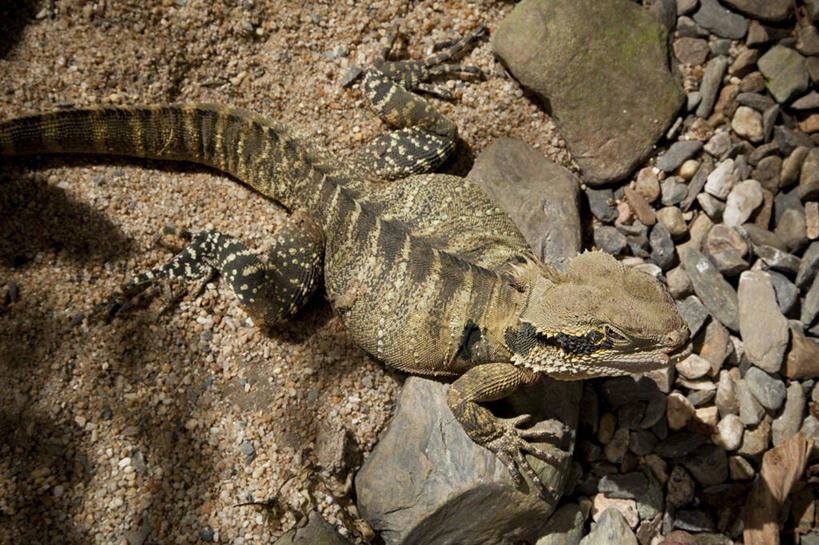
740, 469
809, 176
673, 191
716, 294
629, 486
787, 424
729, 432
777, 259
802, 361
712, 206
756, 440
757, 35
693, 313
708, 464
752, 83
792, 166
679, 411
744, 63
679, 284
605, 431
807, 102
789, 139
726, 398
750, 410
206, 534
688, 168
766, 10
787, 294
686, 26
647, 184
769, 391
643, 210
747, 123
743, 199
812, 220
763, 327
693, 367
719, 144
679, 444
711, 80
680, 487
615, 519
792, 229
767, 172
618, 446
807, 40
808, 266
662, 246
721, 179
785, 72
756, 101
722, 22
609, 239
601, 204
691, 51
715, 346
672, 218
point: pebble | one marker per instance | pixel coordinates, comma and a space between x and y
744, 198
693, 313
615, 519
672, 218
719, 144
757, 101
788, 423
673, 191
726, 398
761, 324
679, 444
708, 464
756, 439
809, 176
729, 432
679, 284
721, 21
740, 469
677, 154
662, 246
609, 239
747, 123
777, 259
681, 487
802, 361
757, 35
712, 206
767, 172
690, 50
785, 72
787, 294
644, 212
812, 220
810, 305
647, 184
808, 266
714, 291
679, 411
769, 391
720, 181
751, 411
693, 367
618, 446
601, 204
693, 520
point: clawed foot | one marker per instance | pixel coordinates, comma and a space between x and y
512, 446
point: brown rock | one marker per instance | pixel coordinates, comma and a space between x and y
762, 216
812, 219
809, 123
727, 101
803, 357
691, 50
643, 210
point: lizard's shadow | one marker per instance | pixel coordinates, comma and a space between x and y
15, 14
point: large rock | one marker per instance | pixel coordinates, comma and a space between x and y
785, 72
541, 196
602, 70
767, 10
427, 482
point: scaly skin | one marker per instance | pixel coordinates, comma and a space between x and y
427, 273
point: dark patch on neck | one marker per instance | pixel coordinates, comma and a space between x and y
522, 340
470, 336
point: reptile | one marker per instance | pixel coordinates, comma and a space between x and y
425, 271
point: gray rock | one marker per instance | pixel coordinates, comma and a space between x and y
686, 26
609, 239
679, 444
809, 176
425, 479
807, 40
662, 247
785, 73
810, 306
317, 531
750, 410
767, 171
609, 129
565, 526
623, 485
720, 21
692, 100
769, 117
601, 204
744, 63
769, 391
711, 81
757, 35
693, 312
728, 262
679, 285
777, 259
716, 346
721, 46
716, 294
673, 191
792, 166
708, 464
693, 520
677, 154
763, 328
766, 10
785, 200
790, 139
756, 101
611, 529
756, 440
721, 179
718, 144
712, 206
792, 229
691, 51
681, 487
761, 237
788, 423
698, 182
666, 12
807, 102
787, 294
539, 194
808, 267
743, 199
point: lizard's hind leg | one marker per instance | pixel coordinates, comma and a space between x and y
424, 138
270, 291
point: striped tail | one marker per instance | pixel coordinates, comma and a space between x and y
258, 151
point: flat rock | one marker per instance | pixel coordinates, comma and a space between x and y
803, 357
792, 166
743, 199
711, 81
720, 21
763, 327
609, 239
691, 51
769, 391
808, 266
810, 305
809, 176
611, 528
677, 154
766, 10
720, 180
601, 204
788, 423
644, 211
729, 432
777, 259
712, 289
662, 246
539, 194
785, 72
787, 294
425, 479
565, 526
751, 411
747, 123
726, 398
756, 440
569, 52
693, 313
708, 464
673, 191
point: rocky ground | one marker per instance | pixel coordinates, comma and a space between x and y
155, 428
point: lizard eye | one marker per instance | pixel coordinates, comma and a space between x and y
613, 335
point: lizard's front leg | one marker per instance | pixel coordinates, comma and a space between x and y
491, 382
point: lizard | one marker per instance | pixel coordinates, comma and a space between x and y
426, 272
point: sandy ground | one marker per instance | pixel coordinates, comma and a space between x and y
152, 428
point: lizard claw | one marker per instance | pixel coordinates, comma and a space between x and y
512, 446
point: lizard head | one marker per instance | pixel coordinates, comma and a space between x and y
599, 318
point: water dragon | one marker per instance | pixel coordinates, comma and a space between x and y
425, 271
